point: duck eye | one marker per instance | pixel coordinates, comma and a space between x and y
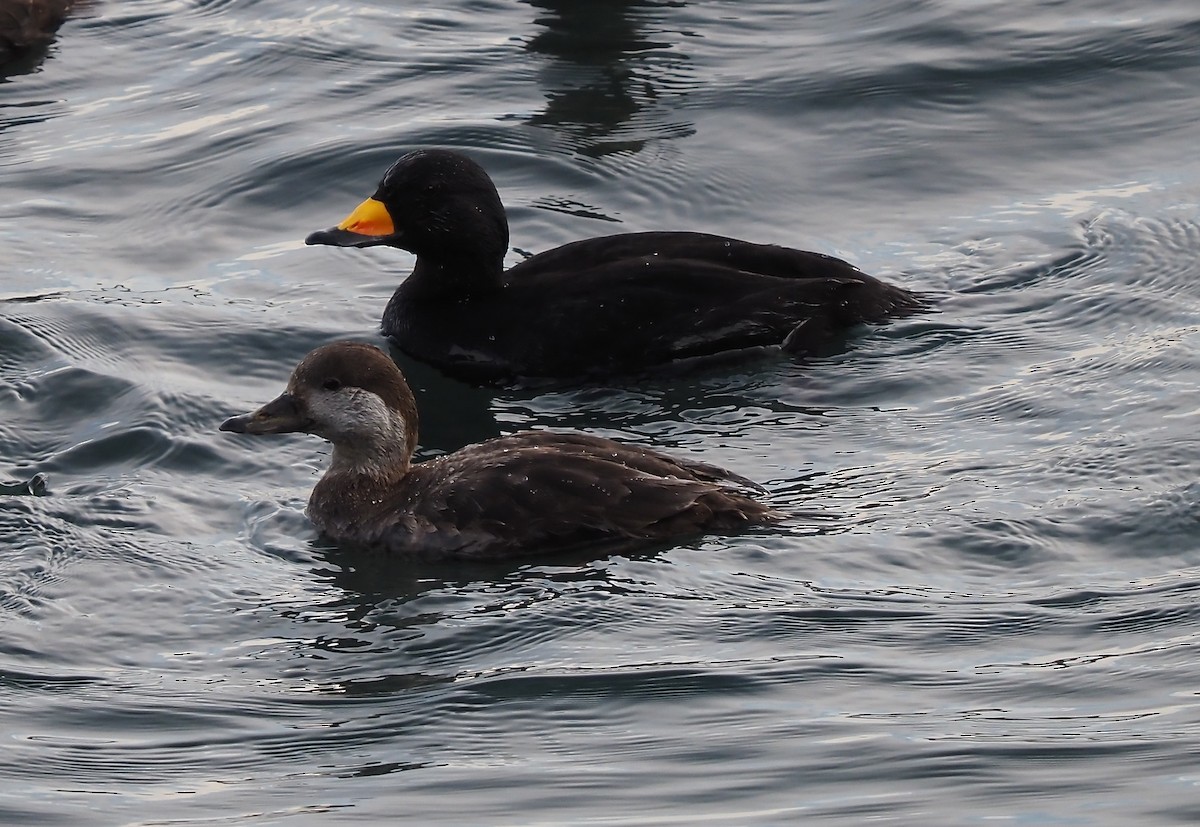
331, 384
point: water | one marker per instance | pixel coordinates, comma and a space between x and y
985, 608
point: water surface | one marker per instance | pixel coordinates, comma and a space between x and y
985, 608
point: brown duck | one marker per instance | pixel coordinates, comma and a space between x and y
528, 493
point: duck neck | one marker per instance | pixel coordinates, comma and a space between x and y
351, 492
459, 277
355, 485
365, 469
376, 447
380, 464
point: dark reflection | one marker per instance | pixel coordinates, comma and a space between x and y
377, 585
451, 413
606, 74
377, 588
743, 385
378, 607
371, 580
387, 769
27, 29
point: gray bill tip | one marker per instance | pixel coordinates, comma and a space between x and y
337, 237
236, 424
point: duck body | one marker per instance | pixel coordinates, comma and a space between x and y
527, 493
532, 492
604, 306
634, 301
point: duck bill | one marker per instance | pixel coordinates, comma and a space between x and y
282, 415
369, 225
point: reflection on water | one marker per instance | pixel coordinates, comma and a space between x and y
451, 413
611, 76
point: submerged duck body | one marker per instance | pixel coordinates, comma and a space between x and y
531, 492
616, 304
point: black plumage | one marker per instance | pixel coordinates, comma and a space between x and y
616, 304
529, 493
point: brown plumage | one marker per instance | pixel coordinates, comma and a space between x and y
528, 493
28, 23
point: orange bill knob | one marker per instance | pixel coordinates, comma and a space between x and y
369, 218
368, 226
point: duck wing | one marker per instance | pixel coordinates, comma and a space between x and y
537, 491
745, 256
625, 315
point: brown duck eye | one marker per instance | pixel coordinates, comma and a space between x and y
331, 384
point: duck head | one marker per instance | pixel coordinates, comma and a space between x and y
431, 202
351, 394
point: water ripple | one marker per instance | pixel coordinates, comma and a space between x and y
984, 600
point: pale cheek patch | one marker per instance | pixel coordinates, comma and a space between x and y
357, 415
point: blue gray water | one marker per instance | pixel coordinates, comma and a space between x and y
986, 608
